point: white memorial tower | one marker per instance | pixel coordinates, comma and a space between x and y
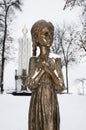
24, 54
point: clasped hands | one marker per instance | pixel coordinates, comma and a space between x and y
46, 67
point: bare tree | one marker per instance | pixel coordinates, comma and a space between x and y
72, 3
81, 35
65, 47
7, 11
83, 32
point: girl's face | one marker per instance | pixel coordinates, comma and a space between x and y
45, 37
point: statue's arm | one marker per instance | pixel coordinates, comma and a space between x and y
58, 69
34, 75
53, 75
56, 75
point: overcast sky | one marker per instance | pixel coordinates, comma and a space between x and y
50, 10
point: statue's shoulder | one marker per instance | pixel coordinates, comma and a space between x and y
33, 59
56, 58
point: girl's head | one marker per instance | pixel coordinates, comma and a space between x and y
42, 34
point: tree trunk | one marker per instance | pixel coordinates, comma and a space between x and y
2, 66
3, 56
67, 78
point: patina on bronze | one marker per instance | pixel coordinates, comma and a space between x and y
45, 79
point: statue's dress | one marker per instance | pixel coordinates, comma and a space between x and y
44, 108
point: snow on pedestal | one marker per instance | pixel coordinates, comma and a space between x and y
24, 54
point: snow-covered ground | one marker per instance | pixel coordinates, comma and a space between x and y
14, 112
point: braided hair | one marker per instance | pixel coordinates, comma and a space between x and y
36, 28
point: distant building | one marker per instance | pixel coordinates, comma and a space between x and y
24, 54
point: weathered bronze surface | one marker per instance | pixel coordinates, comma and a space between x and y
45, 79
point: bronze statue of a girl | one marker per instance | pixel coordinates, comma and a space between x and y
45, 79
